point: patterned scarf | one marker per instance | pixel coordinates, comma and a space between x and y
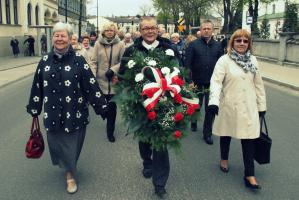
243, 60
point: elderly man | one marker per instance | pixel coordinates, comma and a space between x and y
155, 163
201, 57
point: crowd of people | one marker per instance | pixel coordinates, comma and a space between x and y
74, 75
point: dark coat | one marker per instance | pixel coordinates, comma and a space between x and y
64, 86
30, 41
14, 43
163, 45
201, 58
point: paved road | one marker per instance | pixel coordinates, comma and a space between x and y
113, 171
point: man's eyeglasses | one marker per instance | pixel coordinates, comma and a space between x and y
147, 29
241, 40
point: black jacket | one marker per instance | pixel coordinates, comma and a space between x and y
163, 45
64, 86
201, 58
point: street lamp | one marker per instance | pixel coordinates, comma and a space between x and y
97, 17
65, 7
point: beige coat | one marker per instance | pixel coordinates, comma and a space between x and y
239, 96
100, 60
83, 52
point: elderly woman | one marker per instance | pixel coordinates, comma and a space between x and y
14, 43
78, 48
237, 95
128, 41
107, 54
86, 45
64, 84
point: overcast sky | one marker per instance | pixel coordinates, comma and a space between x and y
117, 7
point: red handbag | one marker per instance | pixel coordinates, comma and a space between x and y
35, 145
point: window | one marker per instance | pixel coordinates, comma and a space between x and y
15, 11
7, 9
0, 12
273, 9
29, 14
36, 15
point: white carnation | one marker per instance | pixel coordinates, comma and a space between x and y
169, 52
152, 63
131, 64
165, 70
139, 77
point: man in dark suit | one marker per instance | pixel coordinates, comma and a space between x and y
201, 57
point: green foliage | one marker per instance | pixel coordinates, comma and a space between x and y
291, 18
160, 131
265, 29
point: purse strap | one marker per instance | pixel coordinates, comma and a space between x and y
263, 122
35, 124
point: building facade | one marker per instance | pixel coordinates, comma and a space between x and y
21, 18
274, 12
71, 15
17, 18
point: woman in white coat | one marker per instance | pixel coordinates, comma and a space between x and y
237, 96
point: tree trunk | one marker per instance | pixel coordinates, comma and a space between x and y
225, 13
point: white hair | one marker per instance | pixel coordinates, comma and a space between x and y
75, 35
175, 35
128, 35
60, 26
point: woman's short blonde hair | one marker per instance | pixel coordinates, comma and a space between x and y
239, 33
108, 26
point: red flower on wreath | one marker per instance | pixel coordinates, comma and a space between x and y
178, 117
151, 115
190, 110
177, 134
178, 98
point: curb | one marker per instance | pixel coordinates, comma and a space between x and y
22, 65
16, 80
277, 82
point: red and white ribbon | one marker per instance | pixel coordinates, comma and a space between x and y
156, 89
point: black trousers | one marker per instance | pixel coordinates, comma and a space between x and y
247, 149
31, 50
111, 115
203, 97
158, 161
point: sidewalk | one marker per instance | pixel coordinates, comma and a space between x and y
7, 63
13, 69
280, 75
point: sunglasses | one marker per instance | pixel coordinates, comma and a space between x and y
241, 40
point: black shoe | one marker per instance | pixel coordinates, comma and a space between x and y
147, 172
160, 192
111, 138
208, 139
193, 127
251, 186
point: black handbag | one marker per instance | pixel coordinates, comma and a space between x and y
262, 144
